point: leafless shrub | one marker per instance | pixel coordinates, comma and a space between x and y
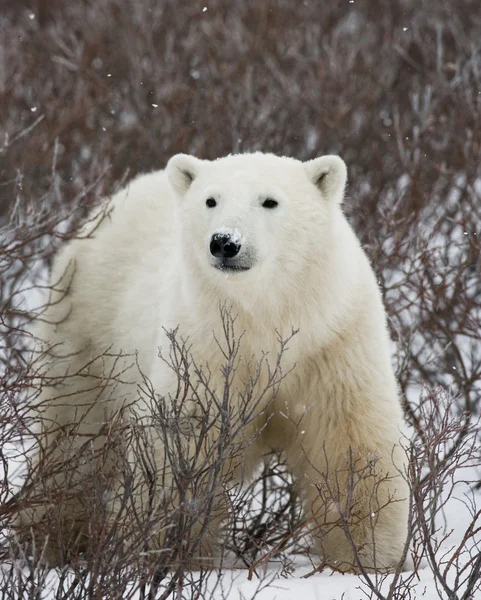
449, 445
155, 521
268, 515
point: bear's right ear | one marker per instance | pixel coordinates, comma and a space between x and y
329, 174
181, 170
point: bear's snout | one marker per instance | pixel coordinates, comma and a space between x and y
224, 245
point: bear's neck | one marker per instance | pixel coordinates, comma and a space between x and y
267, 312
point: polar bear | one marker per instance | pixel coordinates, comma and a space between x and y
266, 236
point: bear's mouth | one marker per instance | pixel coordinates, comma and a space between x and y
230, 267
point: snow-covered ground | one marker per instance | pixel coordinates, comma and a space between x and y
271, 582
458, 515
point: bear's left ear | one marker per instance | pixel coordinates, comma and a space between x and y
329, 174
181, 171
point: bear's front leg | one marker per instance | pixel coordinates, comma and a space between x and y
176, 466
354, 489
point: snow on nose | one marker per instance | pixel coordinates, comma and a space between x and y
226, 242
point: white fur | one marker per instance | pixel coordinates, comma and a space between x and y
147, 267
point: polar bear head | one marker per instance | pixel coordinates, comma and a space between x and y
254, 217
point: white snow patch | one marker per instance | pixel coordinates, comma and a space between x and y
236, 235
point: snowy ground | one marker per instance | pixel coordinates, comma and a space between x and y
234, 585
270, 584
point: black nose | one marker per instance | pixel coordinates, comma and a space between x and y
222, 246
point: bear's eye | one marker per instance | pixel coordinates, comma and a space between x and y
270, 203
210, 202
